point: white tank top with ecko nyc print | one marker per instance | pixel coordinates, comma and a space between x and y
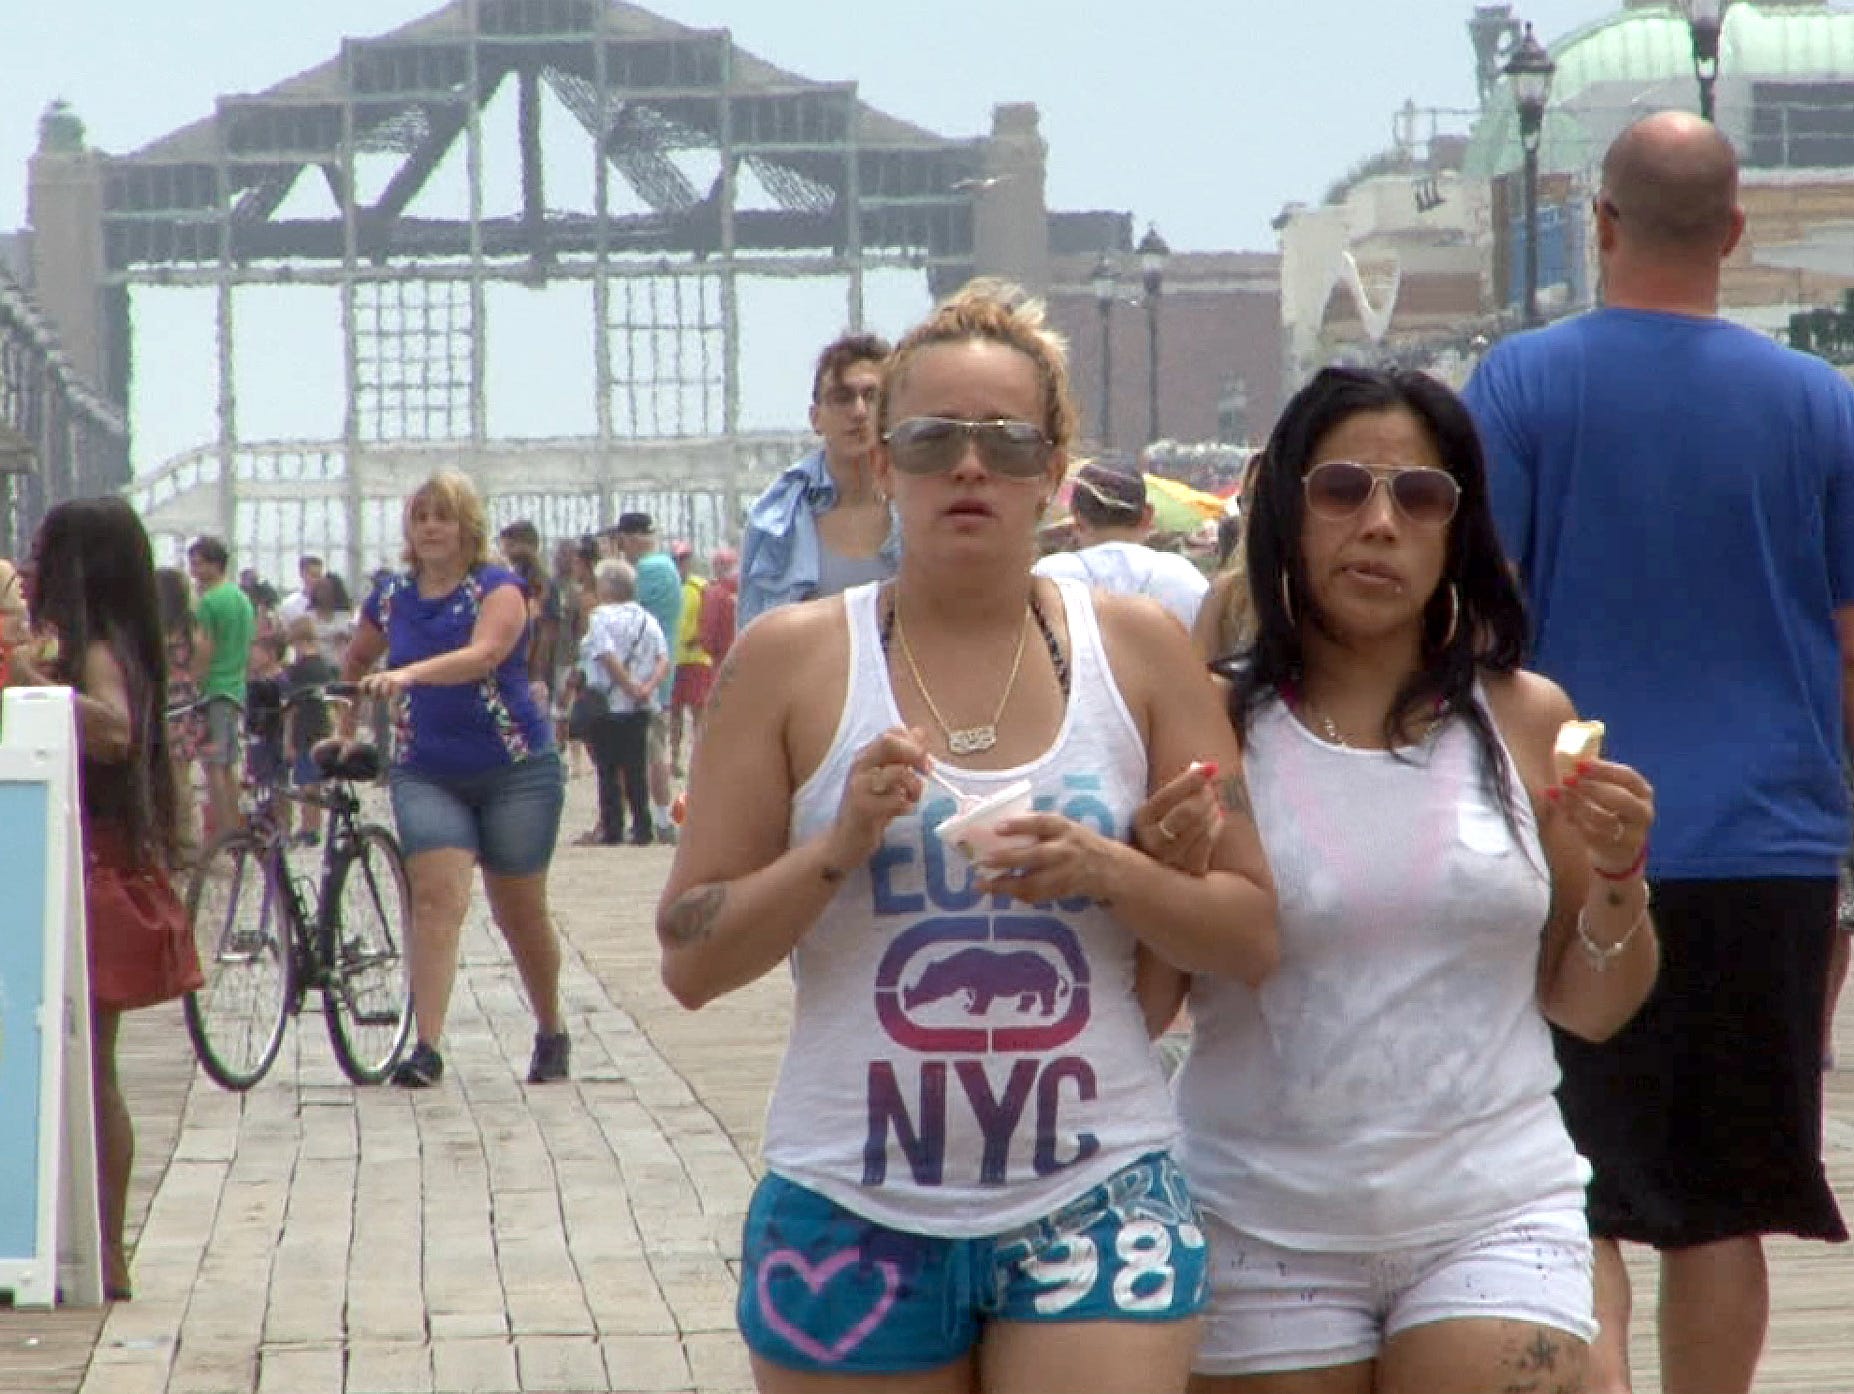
962, 1064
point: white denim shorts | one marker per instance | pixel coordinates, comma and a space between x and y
1274, 1309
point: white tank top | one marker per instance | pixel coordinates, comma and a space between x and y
1391, 1083
960, 1065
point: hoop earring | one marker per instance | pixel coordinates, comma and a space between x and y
1454, 614
1287, 598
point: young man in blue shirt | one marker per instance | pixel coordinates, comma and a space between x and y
821, 527
1678, 494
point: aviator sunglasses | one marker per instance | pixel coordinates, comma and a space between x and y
1337, 489
935, 444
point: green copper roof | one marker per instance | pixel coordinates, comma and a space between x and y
1649, 46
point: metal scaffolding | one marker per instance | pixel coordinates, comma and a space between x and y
59, 438
852, 189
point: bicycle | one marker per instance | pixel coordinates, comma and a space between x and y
268, 938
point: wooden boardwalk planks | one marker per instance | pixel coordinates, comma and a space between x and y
493, 1236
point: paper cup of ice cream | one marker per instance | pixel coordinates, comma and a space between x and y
972, 831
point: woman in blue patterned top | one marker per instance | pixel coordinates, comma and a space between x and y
476, 779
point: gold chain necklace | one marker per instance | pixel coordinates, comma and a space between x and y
1325, 723
965, 740
1327, 727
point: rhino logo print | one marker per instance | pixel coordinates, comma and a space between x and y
985, 976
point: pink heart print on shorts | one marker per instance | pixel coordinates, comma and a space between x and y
816, 1278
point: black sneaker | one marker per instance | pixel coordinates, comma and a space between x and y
549, 1062
421, 1069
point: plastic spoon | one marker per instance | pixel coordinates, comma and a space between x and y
961, 800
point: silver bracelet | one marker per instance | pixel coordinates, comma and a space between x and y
1601, 955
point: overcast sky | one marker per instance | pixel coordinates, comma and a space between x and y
1202, 116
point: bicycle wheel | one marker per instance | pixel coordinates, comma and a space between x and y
242, 929
368, 1000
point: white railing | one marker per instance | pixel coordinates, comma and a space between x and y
289, 498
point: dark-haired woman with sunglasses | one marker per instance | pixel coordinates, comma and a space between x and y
968, 1183
1394, 1201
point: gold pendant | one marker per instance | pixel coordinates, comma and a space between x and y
973, 740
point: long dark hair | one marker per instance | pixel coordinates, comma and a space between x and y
335, 588
95, 583
174, 597
1490, 628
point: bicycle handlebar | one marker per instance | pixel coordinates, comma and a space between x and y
323, 692
347, 692
327, 691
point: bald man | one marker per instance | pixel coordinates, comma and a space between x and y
1678, 494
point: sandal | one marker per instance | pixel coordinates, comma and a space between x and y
116, 1274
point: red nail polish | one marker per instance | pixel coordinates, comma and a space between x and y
1570, 781
1585, 766
1210, 771
1554, 793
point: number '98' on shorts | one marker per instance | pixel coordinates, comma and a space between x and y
824, 1289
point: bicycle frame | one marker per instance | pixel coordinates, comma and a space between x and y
313, 928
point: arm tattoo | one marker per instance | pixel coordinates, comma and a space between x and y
724, 679
1233, 796
833, 874
692, 918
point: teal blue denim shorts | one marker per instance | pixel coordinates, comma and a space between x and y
825, 1289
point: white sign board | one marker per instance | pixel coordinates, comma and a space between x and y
48, 1193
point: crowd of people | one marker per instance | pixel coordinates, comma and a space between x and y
1458, 1027
189, 686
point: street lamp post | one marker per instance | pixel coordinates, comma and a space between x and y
1152, 254
1105, 283
1531, 70
1706, 23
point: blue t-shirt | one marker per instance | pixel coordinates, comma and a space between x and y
463, 728
659, 590
1678, 493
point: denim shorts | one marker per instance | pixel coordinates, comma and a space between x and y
824, 1289
507, 817
225, 721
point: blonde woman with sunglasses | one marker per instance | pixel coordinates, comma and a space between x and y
968, 1182
1394, 1202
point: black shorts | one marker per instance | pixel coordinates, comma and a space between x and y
1703, 1116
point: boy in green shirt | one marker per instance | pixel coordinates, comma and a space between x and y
226, 625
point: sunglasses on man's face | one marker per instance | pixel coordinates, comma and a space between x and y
1338, 489
936, 444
